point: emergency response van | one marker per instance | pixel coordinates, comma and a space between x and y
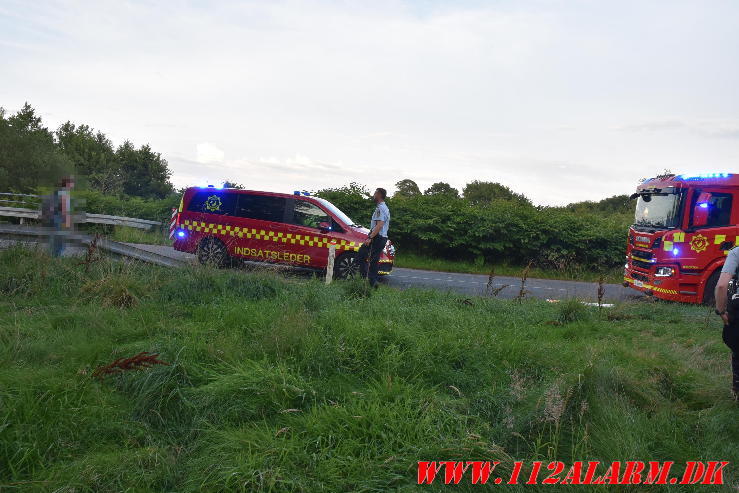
683, 228
221, 224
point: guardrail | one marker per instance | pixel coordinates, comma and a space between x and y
15, 232
34, 213
19, 199
131, 222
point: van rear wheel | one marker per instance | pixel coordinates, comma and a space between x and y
346, 266
212, 252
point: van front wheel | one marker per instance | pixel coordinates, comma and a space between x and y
212, 252
346, 266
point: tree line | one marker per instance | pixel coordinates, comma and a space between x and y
484, 221
489, 223
33, 156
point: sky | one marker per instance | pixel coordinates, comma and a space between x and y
560, 100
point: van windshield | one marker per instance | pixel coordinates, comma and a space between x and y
335, 211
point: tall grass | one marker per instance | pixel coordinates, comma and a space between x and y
280, 385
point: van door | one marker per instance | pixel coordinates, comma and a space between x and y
209, 213
261, 228
305, 229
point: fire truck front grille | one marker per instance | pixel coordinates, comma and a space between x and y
641, 265
641, 259
642, 255
640, 277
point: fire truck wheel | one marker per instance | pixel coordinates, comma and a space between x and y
345, 266
212, 252
708, 291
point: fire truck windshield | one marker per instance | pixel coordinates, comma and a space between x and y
658, 211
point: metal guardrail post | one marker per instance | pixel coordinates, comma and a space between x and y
330, 266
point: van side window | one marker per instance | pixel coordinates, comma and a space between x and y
261, 207
309, 215
213, 202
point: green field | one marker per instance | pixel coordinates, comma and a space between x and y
278, 384
134, 235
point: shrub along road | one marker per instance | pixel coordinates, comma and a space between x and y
472, 284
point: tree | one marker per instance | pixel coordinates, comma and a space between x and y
145, 173
406, 188
93, 156
29, 157
485, 192
352, 199
442, 189
617, 204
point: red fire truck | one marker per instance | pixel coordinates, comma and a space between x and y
684, 226
221, 224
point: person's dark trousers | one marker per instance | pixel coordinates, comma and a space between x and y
731, 338
369, 258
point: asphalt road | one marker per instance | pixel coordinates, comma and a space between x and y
472, 284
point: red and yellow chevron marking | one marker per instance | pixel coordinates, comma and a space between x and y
265, 235
656, 289
679, 237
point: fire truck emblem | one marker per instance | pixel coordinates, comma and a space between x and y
213, 203
698, 243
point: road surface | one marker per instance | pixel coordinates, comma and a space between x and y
471, 284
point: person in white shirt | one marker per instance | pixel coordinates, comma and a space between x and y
370, 251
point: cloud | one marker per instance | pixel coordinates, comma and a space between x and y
208, 153
291, 94
711, 128
653, 126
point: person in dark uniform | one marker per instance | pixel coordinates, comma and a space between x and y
370, 251
727, 307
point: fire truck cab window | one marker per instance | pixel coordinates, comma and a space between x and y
719, 209
261, 207
309, 215
213, 202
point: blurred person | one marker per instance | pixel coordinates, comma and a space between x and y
58, 215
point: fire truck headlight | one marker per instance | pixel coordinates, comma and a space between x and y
180, 234
675, 252
664, 272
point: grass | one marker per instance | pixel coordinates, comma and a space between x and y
573, 273
281, 385
136, 235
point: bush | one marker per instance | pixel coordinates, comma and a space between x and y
127, 206
572, 310
501, 231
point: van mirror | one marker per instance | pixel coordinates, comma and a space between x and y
701, 210
324, 226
